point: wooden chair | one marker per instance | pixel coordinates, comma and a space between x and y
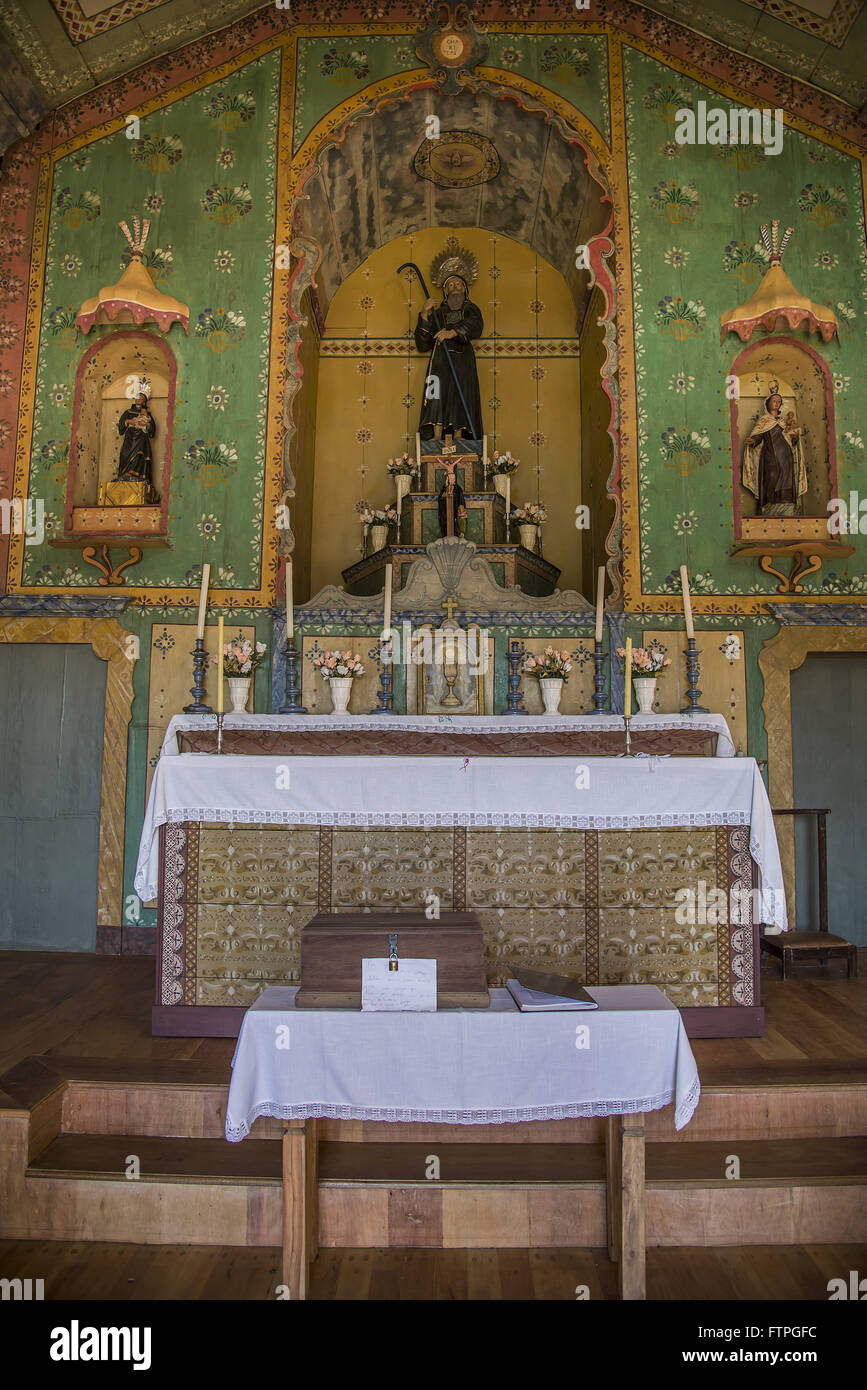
818, 945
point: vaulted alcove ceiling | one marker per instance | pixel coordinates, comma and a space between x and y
365, 191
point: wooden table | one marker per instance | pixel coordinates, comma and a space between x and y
625, 1205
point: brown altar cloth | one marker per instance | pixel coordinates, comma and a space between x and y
392, 743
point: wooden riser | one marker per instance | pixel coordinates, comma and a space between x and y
465, 1217
729, 1115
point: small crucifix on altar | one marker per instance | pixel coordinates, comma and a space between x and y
450, 503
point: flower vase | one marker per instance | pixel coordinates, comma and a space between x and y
552, 691
528, 536
401, 487
500, 481
645, 693
377, 535
239, 692
340, 688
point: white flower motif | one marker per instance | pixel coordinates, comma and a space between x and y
685, 523
217, 397
681, 383
225, 261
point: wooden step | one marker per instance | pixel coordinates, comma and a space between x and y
768, 1162
205, 1191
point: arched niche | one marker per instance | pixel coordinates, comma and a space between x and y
803, 380
105, 384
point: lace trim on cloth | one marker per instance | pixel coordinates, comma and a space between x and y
514, 724
578, 1111
450, 819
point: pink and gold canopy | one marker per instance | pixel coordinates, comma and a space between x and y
776, 298
134, 298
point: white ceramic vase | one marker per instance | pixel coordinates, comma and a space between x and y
552, 691
401, 487
645, 693
377, 535
239, 693
528, 536
340, 688
500, 481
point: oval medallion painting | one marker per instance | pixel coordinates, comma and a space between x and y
458, 159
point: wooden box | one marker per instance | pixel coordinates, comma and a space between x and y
333, 946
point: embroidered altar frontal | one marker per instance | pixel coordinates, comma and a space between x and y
597, 904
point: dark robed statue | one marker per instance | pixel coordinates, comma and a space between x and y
773, 467
137, 427
442, 409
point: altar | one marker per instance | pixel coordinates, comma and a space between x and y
650, 869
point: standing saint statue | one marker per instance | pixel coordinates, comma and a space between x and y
460, 321
773, 467
137, 427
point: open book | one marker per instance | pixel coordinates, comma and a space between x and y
536, 992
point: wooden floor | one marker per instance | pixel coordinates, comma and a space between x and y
92, 1014
99, 1006
86, 1271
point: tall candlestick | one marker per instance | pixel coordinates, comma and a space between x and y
386, 620
600, 601
627, 693
203, 600
220, 666
687, 605
485, 453
508, 503
290, 606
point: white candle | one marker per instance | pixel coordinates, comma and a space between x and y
203, 601
627, 694
418, 451
687, 606
485, 452
600, 601
290, 609
220, 666
508, 502
386, 620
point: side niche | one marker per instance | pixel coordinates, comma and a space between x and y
797, 527
110, 374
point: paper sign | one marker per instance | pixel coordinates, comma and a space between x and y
412, 987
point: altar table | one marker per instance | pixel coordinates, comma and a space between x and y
394, 735
465, 1067
573, 865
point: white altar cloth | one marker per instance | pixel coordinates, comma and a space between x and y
462, 1066
614, 794
464, 723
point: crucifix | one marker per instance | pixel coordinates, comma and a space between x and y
451, 606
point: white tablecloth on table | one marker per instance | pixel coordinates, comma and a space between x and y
462, 1066
464, 724
616, 793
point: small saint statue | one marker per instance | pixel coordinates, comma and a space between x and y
773, 468
450, 503
137, 427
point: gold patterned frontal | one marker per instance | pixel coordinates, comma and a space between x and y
602, 905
